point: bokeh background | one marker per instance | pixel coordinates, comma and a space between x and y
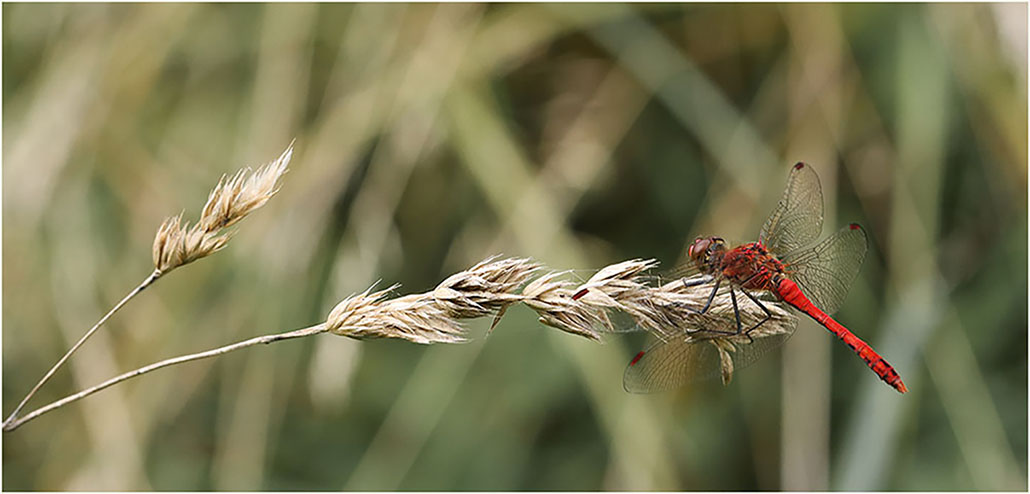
431, 136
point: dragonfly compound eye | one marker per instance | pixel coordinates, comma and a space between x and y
699, 248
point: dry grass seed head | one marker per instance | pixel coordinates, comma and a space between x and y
552, 299
725, 360
673, 308
622, 287
415, 318
234, 198
668, 311
678, 305
484, 289
176, 243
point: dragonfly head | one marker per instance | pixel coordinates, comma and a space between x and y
705, 249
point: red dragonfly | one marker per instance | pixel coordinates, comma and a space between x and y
780, 268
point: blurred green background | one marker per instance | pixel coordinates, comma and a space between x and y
431, 136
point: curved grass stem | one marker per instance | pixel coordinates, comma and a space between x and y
146, 282
13, 424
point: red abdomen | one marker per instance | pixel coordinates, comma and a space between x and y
790, 293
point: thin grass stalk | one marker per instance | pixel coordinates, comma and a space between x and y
260, 340
488, 289
177, 244
147, 282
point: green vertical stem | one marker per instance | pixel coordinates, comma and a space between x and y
816, 116
914, 297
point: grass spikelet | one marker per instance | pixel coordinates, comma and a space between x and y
554, 301
672, 310
234, 198
622, 287
484, 289
176, 243
433, 317
676, 305
415, 318
725, 360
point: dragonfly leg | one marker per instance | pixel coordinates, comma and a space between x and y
768, 314
736, 311
699, 281
711, 297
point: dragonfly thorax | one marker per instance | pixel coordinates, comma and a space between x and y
751, 266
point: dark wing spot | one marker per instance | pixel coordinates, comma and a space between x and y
580, 294
799, 165
636, 359
855, 226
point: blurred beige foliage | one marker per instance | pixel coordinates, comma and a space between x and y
432, 136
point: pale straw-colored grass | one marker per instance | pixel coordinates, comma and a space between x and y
675, 309
415, 318
552, 298
669, 310
177, 244
488, 289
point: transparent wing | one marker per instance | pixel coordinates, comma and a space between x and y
666, 365
691, 353
826, 271
748, 352
798, 218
